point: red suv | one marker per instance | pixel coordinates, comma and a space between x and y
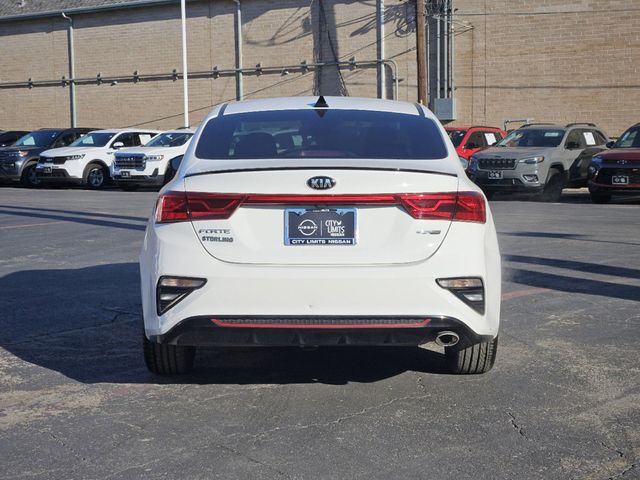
616, 171
469, 140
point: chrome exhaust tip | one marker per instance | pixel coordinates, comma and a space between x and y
447, 339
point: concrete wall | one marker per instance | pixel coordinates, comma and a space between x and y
551, 60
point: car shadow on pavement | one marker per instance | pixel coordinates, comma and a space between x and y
572, 284
77, 217
564, 236
19, 208
598, 268
86, 324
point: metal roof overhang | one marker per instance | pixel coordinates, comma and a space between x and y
87, 10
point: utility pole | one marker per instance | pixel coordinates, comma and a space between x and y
185, 73
421, 44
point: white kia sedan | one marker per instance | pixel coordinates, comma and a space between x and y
328, 221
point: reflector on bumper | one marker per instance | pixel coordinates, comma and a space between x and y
171, 290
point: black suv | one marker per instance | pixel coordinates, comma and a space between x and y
18, 162
10, 137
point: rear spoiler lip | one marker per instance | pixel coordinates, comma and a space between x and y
271, 169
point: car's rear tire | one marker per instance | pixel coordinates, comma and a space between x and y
552, 192
29, 178
163, 359
473, 359
95, 176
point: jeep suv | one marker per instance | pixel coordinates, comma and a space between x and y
18, 162
87, 160
538, 158
151, 164
470, 140
616, 171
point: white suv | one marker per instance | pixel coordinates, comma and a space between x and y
152, 163
87, 160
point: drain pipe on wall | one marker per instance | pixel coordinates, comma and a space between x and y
239, 79
185, 71
382, 86
72, 71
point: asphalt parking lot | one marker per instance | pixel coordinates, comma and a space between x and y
76, 400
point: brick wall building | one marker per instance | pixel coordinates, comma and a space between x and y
552, 60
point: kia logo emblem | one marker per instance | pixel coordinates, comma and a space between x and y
321, 183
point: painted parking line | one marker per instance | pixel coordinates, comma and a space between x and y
9, 227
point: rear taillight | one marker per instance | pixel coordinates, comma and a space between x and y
172, 207
461, 206
219, 206
183, 206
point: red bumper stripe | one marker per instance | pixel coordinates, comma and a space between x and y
221, 323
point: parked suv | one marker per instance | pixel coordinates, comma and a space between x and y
10, 137
470, 140
616, 171
87, 160
151, 164
538, 158
18, 162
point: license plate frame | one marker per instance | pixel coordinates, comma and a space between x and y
619, 180
321, 226
495, 175
125, 174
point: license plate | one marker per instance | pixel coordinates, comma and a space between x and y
495, 175
125, 174
46, 169
320, 226
620, 180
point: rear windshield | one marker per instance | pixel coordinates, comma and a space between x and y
533, 137
334, 134
456, 136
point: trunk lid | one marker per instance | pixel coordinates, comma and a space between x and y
384, 233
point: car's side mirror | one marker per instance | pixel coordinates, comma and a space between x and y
464, 162
573, 145
610, 144
117, 145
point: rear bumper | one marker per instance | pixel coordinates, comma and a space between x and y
314, 331
321, 291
